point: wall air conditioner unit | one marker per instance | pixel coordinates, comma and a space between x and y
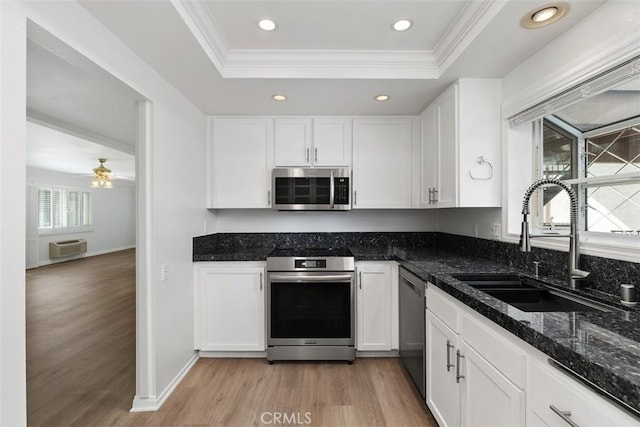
67, 248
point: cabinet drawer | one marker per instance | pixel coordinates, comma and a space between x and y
440, 304
551, 387
507, 358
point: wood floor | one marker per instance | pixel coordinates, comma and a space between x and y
81, 367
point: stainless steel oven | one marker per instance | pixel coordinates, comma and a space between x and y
310, 305
317, 189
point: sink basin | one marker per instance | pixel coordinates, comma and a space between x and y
529, 295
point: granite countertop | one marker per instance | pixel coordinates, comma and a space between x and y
604, 348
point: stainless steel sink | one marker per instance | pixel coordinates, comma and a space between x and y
528, 294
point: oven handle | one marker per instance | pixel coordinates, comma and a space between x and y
323, 278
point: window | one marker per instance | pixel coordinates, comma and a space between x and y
604, 166
63, 208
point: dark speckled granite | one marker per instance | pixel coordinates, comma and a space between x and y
601, 347
256, 246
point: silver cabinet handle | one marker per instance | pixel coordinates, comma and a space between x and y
307, 155
431, 196
458, 357
565, 415
360, 278
315, 155
261, 280
268, 197
355, 197
449, 364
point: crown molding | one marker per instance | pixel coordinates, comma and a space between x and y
472, 19
337, 64
612, 52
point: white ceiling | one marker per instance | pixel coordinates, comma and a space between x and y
60, 152
330, 57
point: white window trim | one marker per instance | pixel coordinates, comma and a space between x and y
64, 230
620, 247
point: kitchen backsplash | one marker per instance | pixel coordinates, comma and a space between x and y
607, 274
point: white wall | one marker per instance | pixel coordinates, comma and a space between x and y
12, 219
471, 222
114, 214
174, 200
268, 221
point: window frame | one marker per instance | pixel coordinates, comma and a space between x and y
581, 182
81, 212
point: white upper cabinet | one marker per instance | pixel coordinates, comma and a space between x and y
292, 142
460, 153
305, 142
383, 162
331, 142
238, 166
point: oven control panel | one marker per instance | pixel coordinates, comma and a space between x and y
311, 263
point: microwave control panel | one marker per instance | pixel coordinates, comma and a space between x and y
341, 191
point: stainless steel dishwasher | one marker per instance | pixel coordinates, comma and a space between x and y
412, 327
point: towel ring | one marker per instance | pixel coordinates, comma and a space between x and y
482, 161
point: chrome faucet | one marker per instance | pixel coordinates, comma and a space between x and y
574, 273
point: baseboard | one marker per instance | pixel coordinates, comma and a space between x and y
238, 354
390, 353
85, 255
148, 404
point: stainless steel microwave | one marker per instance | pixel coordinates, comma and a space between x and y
311, 189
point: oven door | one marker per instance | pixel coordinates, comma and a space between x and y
310, 308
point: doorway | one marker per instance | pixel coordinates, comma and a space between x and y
80, 111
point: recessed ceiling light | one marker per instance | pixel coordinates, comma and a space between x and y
402, 25
382, 97
545, 15
279, 97
267, 24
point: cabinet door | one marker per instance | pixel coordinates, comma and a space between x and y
292, 142
373, 297
443, 392
382, 173
550, 387
230, 305
428, 157
331, 142
238, 167
447, 171
488, 398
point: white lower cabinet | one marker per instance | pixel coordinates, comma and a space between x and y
464, 388
488, 397
443, 392
230, 306
555, 399
376, 305
503, 381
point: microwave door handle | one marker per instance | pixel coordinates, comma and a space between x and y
332, 194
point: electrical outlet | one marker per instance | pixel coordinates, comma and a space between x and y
495, 231
165, 272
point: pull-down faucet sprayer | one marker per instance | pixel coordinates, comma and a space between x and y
574, 273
